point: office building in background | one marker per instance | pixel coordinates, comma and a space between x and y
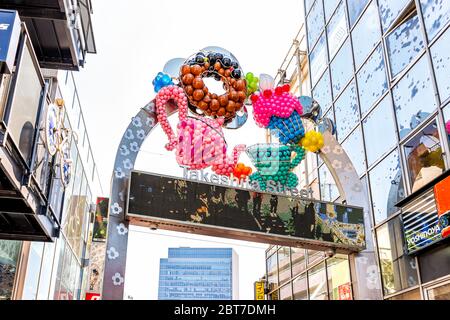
199, 274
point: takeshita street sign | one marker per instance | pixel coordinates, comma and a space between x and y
163, 202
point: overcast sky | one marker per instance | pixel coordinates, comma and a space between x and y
135, 39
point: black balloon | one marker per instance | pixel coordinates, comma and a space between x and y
236, 73
226, 62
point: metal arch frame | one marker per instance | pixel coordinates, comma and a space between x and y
366, 282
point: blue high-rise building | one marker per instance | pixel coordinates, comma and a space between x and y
199, 274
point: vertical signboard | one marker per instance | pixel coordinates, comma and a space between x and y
101, 220
9, 39
259, 290
442, 194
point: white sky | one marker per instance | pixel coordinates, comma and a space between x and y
135, 39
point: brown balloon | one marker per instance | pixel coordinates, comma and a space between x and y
231, 106
196, 70
240, 85
189, 90
221, 112
198, 83
242, 96
198, 95
215, 105
203, 105
188, 79
223, 100
185, 69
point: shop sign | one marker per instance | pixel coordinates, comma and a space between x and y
259, 290
442, 194
9, 39
92, 296
421, 222
178, 204
345, 292
101, 220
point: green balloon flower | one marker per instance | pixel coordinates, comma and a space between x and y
252, 83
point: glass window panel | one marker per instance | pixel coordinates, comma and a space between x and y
379, 130
328, 188
330, 6
272, 272
440, 53
372, 81
414, 99
308, 4
389, 11
298, 261
314, 256
404, 44
300, 288
354, 147
424, 157
339, 282
399, 271
284, 264
366, 34
436, 14
341, 68
337, 30
58, 275
355, 7
346, 112
27, 97
33, 269
317, 283
9, 255
286, 292
46, 271
387, 187
315, 23
318, 59
447, 121
435, 264
410, 295
322, 92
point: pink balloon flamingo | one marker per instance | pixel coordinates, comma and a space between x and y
199, 142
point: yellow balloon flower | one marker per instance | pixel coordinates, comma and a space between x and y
313, 141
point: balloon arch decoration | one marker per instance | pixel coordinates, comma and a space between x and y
199, 143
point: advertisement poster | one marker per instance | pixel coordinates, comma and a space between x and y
96, 267
101, 220
219, 206
345, 292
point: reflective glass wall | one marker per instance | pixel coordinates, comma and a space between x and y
379, 69
57, 270
299, 274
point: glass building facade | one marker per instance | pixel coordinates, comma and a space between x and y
199, 274
299, 274
57, 270
379, 69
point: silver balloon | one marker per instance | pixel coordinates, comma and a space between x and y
172, 67
311, 108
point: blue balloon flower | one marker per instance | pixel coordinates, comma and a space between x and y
162, 80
